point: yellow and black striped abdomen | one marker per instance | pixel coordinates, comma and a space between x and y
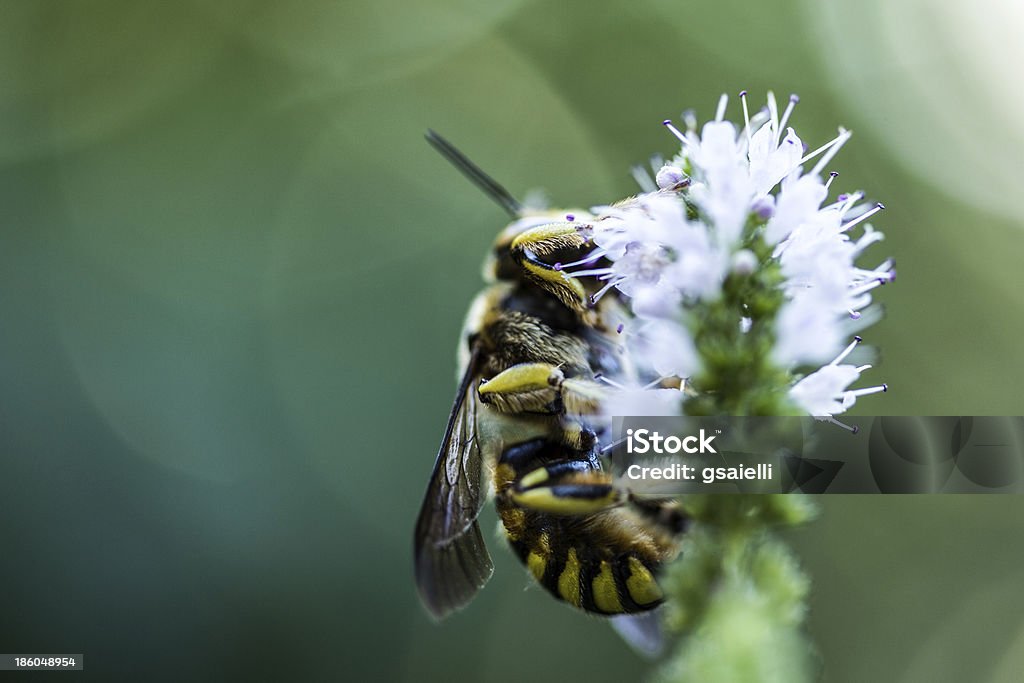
575, 566
578, 534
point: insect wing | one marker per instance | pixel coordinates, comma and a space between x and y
641, 631
452, 562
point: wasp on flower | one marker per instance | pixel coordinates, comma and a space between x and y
724, 288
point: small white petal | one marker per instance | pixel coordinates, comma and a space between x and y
659, 301
821, 392
798, 200
667, 347
806, 332
770, 164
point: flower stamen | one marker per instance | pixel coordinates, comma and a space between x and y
793, 99
596, 272
675, 131
723, 101
832, 147
773, 115
853, 429
746, 116
609, 381
857, 393
868, 286
594, 298
843, 136
846, 352
863, 217
848, 201
651, 385
589, 258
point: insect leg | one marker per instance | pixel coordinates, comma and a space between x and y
528, 249
524, 388
540, 388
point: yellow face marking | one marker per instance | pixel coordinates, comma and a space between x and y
641, 584
536, 563
606, 595
522, 378
569, 580
535, 477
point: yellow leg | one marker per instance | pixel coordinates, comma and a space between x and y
540, 388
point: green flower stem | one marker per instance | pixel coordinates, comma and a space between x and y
739, 377
736, 598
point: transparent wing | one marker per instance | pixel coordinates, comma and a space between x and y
642, 631
451, 560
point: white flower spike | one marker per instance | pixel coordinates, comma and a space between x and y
737, 268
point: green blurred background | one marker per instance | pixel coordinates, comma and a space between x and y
232, 275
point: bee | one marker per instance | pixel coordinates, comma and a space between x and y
524, 429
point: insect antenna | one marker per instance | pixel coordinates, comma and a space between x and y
476, 175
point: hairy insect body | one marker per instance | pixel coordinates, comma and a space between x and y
585, 547
525, 429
